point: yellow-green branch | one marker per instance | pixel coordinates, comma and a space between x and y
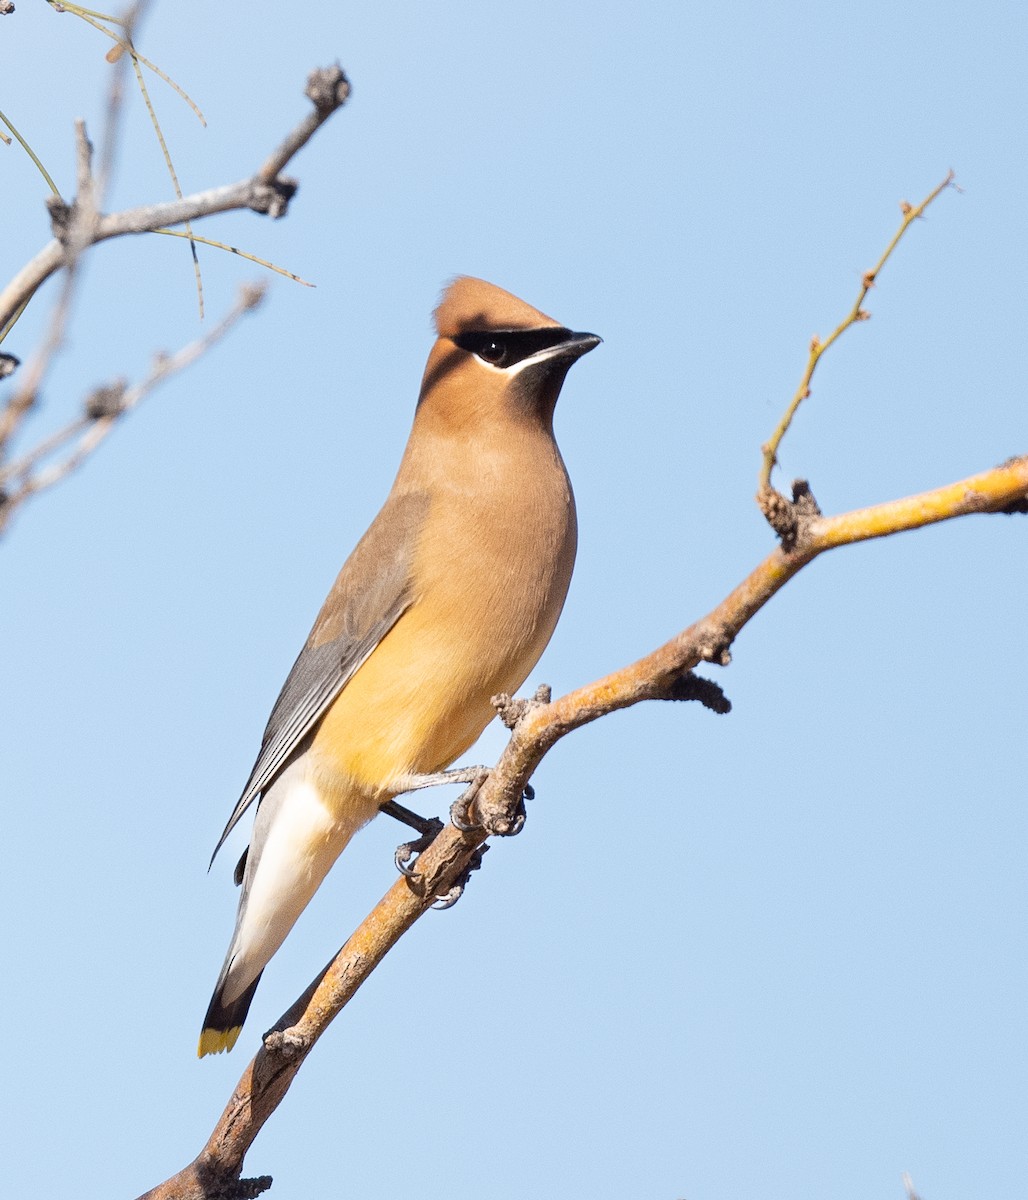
818, 347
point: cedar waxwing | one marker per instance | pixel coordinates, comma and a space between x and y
449, 598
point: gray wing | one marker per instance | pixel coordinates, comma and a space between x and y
373, 590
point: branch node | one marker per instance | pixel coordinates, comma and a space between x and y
74, 225
689, 686
511, 710
789, 519
285, 1043
714, 649
251, 295
6, 8
8, 365
778, 513
327, 88
272, 199
106, 401
803, 500
61, 215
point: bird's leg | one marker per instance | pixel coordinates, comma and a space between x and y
414, 783
406, 817
406, 855
428, 827
460, 815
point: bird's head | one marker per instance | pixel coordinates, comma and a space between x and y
497, 358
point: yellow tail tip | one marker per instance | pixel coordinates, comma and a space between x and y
214, 1041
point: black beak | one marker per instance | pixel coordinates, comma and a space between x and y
578, 344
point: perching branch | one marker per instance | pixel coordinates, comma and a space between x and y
494, 805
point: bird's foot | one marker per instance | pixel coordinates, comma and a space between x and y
429, 827
462, 819
450, 898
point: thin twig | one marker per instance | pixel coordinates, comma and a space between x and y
124, 45
817, 347
264, 193
261, 262
144, 92
31, 153
261, 192
75, 227
77, 223
908, 1187
103, 408
327, 89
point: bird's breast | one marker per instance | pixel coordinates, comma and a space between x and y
490, 576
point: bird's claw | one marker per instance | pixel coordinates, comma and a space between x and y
518, 820
520, 817
460, 815
407, 854
450, 898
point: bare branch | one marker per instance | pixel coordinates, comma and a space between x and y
264, 192
908, 1187
77, 227
537, 726
74, 228
102, 409
327, 89
817, 349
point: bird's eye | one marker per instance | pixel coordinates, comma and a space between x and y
495, 347
492, 350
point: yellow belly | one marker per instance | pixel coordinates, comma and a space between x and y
489, 599
418, 703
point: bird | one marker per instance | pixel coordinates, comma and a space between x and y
448, 599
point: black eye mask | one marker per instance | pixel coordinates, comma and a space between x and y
504, 347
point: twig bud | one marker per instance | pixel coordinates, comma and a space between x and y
327, 88
251, 295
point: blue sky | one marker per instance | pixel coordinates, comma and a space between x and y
778, 954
